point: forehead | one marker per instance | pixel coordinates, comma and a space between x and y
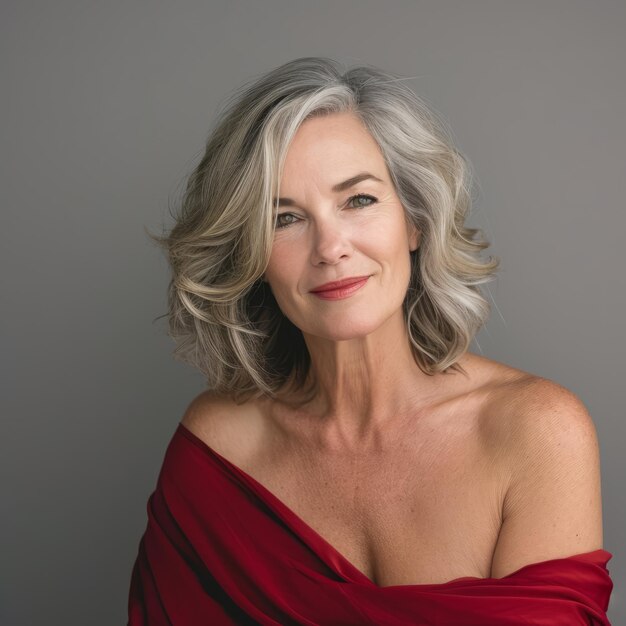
330, 148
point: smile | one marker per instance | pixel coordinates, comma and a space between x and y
341, 292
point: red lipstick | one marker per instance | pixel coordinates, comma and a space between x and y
339, 289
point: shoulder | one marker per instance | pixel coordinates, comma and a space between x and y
536, 421
229, 428
204, 412
552, 505
547, 420
525, 414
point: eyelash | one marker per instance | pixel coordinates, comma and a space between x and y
350, 199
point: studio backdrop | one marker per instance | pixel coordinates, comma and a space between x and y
105, 109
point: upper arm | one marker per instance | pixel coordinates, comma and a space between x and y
552, 508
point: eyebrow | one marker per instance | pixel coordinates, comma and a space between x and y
338, 188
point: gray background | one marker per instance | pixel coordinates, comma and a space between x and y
106, 107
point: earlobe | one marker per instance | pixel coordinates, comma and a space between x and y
416, 237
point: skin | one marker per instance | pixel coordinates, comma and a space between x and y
359, 346
384, 458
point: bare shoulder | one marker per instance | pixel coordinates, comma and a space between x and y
532, 420
544, 417
229, 428
525, 412
204, 412
552, 506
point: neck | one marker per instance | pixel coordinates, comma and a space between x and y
363, 385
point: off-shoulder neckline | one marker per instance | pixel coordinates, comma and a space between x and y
341, 562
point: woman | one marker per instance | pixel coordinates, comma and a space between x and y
351, 461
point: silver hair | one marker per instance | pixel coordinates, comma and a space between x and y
223, 316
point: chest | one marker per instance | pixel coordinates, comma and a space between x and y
418, 513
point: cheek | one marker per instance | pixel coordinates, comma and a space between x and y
393, 251
283, 266
387, 240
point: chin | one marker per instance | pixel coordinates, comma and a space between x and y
348, 330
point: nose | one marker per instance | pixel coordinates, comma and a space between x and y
331, 242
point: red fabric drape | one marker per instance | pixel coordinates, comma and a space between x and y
220, 549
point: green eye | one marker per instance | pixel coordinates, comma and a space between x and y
362, 196
278, 224
363, 200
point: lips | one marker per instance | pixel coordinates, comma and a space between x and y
337, 284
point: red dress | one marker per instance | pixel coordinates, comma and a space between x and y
220, 549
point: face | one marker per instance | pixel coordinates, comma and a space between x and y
325, 233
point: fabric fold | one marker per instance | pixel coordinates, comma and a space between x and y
220, 548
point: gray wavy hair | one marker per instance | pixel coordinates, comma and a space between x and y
223, 316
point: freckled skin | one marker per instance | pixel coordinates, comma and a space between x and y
412, 478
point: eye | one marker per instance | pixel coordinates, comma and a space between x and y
362, 196
278, 224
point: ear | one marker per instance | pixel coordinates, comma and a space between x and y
415, 238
